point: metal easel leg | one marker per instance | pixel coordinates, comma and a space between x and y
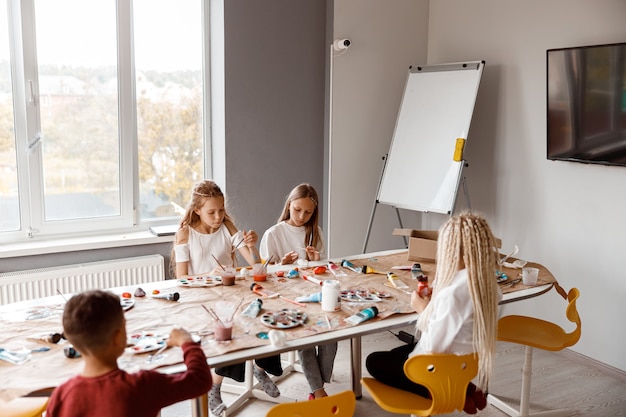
466, 193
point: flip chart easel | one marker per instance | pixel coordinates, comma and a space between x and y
423, 168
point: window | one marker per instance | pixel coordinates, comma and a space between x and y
103, 113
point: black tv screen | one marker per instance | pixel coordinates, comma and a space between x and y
586, 104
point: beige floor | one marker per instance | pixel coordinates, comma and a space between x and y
560, 380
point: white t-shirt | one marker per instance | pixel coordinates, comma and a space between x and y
282, 238
201, 247
450, 328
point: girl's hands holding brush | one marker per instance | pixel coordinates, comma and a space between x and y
250, 238
312, 253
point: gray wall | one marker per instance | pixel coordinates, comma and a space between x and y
275, 85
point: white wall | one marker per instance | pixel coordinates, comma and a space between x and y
567, 216
368, 81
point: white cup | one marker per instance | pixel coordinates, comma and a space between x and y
529, 276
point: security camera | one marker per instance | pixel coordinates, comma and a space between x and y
341, 44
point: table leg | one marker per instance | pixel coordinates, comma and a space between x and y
200, 406
355, 359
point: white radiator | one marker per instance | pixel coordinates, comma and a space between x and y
43, 282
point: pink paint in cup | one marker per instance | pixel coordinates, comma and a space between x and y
223, 331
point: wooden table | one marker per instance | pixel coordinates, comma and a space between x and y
49, 369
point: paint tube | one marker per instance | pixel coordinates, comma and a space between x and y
363, 315
396, 282
335, 270
347, 264
310, 298
253, 309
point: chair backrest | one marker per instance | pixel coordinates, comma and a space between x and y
445, 375
336, 405
572, 315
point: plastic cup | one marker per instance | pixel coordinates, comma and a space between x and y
223, 331
259, 272
529, 276
228, 277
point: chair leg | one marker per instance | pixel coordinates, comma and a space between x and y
527, 372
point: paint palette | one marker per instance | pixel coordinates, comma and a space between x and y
200, 281
362, 296
284, 319
127, 303
145, 342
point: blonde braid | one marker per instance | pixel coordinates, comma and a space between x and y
480, 262
467, 237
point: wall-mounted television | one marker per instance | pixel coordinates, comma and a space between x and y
586, 104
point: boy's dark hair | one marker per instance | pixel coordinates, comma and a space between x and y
91, 318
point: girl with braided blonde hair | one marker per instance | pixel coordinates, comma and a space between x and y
207, 240
460, 316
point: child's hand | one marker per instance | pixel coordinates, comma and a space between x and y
250, 238
418, 302
178, 337
289, 258
216, 271
312, 253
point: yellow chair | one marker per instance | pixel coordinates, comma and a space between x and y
536, 333
336, 405
23, 407
445, 375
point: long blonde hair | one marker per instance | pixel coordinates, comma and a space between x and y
199, 193
466, 239
304, 190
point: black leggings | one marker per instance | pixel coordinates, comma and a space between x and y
237, 372
388, 368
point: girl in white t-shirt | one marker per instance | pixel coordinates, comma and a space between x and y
207, 235
462, 315
297, 235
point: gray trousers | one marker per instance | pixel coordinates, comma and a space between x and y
317, 363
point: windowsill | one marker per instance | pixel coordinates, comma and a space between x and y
40, 247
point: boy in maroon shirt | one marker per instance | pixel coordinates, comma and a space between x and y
94, 323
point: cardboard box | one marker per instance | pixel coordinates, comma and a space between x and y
423, 243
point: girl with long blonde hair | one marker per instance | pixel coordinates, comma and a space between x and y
297, 235
207, 240
461, 315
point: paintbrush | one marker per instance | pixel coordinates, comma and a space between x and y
218, 262
238, 244
157, 353
61, 294
267, 261
291, 301
213, 315
235, 310
512, 283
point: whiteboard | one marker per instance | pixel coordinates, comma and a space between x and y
436, 108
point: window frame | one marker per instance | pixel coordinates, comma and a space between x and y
27, 123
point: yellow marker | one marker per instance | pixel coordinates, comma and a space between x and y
458, 150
